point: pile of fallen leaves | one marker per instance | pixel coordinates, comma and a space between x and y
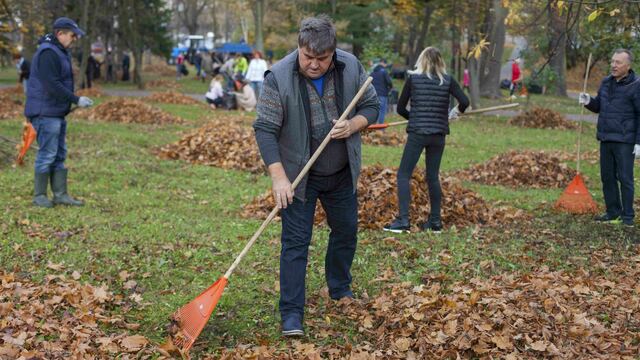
11, 106
221, 144
160, 83
173, 97
536, 169
384, 138
542, 118
378, 202
592, 313
93, 92
125, 110
17, 90
61, 318
160, 69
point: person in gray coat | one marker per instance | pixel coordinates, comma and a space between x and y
302, 96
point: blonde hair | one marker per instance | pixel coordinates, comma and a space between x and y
431, 64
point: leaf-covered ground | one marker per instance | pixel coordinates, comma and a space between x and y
155, 233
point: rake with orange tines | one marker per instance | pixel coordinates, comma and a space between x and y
192, 317
28, 136
470, 112
576, 198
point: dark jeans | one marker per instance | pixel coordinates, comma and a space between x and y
616, 166
383, 108
217, 101
434, 147
51, 135
341, 205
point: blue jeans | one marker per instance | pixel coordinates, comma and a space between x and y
341, 205
257, 87
51, 133
616, 166
384, 100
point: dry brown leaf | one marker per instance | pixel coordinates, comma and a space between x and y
134, 343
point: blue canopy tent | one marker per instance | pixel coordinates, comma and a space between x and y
235, 48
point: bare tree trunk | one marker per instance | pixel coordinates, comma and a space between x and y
258, 17
30, 17
86, 44
214, 21
490, 83
558, 46
426, 20
227, 22
137, 67
474, 87
417, 39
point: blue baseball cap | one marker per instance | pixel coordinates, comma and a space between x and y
66, 23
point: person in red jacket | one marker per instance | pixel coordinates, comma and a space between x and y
516, 76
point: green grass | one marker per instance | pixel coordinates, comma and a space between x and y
176, 227
9, 75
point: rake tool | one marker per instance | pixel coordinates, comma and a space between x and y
7, 151
192, 317
471, 112
576, 198
28, 136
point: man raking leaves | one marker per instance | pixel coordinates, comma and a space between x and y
302, 95
288, 132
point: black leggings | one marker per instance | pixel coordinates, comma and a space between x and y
434, 146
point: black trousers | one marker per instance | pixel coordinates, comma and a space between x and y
616, 172
433, 145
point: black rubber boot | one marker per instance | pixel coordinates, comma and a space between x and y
59, 187
40, 183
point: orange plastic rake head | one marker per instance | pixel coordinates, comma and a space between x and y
28, 135
576, 199
192, 317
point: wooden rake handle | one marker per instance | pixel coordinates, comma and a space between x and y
470, 112
584, 89
295, 183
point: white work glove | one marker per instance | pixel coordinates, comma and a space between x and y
584, 99
84, 102
636, 150
454, 113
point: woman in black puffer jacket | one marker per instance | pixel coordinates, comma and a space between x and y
429, 88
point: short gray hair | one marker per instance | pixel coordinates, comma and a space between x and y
625, 51
317, 34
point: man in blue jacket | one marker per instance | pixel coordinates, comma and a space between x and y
618, 106
382, 83
49, 98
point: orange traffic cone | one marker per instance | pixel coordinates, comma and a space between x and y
576, 199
